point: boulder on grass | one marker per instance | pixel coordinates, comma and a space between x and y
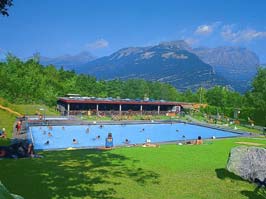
5, 194
248, 163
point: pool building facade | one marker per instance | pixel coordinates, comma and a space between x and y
90, 105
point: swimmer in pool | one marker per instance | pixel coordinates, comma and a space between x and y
126, 141
50, 134
97, 137
74, 141
47, 142
88, 130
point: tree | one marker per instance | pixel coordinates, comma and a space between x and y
201, 95
257, 96
217, 96
4, 4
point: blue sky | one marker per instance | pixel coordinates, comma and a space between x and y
57, 27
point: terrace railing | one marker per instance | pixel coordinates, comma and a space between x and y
115, 113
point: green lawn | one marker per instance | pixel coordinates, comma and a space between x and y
171, 171
6, 121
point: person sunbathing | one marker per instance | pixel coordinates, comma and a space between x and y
150, 145
199, 140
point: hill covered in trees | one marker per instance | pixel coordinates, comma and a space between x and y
30, 82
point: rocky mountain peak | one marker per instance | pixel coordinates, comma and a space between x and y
176, 45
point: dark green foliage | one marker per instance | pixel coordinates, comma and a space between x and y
30, 82
257, 96
3, 6
223, 97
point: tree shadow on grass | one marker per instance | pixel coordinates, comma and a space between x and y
258, 193
74, 174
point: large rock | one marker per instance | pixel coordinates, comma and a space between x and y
248, 163
5, 194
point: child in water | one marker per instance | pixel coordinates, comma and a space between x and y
74, 141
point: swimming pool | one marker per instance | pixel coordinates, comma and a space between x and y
62, 136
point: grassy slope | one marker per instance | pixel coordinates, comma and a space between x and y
170, 171
7, 120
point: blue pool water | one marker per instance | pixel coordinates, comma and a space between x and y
62, 136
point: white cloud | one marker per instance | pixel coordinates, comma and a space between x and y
204, 30
246, 35
100, 43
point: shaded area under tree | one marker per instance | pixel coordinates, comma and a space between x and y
73, 174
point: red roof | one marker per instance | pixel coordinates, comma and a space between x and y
90, 101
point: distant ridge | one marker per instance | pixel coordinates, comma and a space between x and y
170, 62
237, 65
173, 62
68, 62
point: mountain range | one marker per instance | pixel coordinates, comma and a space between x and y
167, 62
173, 62
68, 62
237, 65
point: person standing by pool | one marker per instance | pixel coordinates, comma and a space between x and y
30, 150
109, 141
18, 127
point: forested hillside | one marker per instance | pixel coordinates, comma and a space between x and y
29, 82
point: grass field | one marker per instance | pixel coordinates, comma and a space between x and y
170, 171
